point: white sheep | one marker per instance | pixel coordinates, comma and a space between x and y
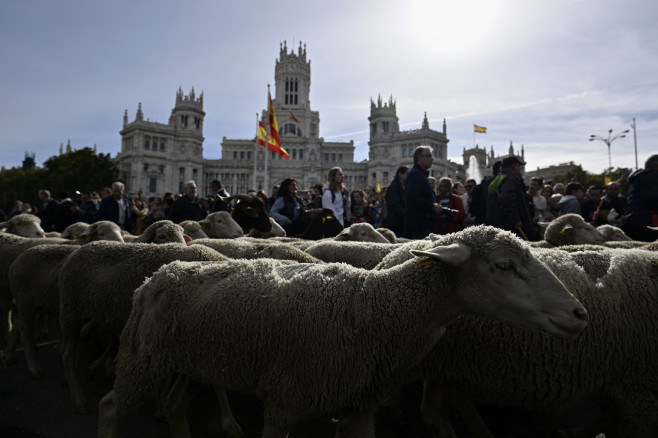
25, 225
32, 279
81, 232
361, 232
569, 229
220, 225
246, 248
163, 231
319, 340
193, 229
359, 254
612, 233
612, 362
97, 282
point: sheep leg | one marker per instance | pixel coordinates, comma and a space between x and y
230, 425
271, 430
108, 417
175, 405
356, 426
101, 363
12, 337
70, 350
28, 340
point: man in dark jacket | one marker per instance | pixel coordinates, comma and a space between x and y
421, 208
47, 211
508, 207
116, 208
642, 211
188, 206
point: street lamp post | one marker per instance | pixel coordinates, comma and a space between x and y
608, 140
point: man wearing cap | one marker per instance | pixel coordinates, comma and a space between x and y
508, 206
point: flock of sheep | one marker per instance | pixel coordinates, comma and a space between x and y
336, 327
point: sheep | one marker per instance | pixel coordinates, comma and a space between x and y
612, 233
276, 231
220, 225
81, 232
361, 232
32, 279
323, 224
569, 229
97, 282
247, 249
163, 231
319, 340
364, 255
193, 229
25, 225
250, 213
74, 230
613, 360
389, 234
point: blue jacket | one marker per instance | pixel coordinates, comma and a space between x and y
419, 199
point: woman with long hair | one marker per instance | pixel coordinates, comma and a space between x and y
336, 197
287, 209
394, 197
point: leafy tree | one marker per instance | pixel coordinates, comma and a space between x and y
81, 170
587, 179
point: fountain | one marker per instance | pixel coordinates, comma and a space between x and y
473, 170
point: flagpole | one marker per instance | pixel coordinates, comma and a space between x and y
267, 149
255, 183
474, 135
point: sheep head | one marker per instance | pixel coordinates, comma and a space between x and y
499, 278
26, 225
361, 232
101, 230
220, 225
163, 231
571, 229
249, 211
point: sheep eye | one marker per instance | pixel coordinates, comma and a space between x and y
504, 266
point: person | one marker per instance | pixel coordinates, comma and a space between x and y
16, 209
570, 202
469, 219
432, 181
421, 208
275, 193
287, 209
478, 199
87, 209
458, 189
66, 212
188, 206
263, 196
508, 205
140, 211
316, 196
47, 210
218, 192
394, 198
335, 196
591, 204
378, 209
534, 191
614, 199
552, 211
116, 208
360, 207
642, 210
560, 188
452, 209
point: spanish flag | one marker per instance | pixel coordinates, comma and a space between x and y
262, 134
379, 187
480, 129
274, 127
292, 116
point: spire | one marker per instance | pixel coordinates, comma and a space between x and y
426, 124
444, 126
125, 117
140, 114
68, 147
511, 148
61, 148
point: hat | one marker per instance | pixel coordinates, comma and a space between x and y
507, 162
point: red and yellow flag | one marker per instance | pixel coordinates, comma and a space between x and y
273, 141
262, 134
480, 129
292, 116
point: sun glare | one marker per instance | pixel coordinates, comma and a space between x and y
453, 25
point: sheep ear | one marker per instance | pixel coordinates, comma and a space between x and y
187, 238
434, 237
452, 254
566, 229
4, 224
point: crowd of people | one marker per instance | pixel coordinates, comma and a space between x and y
414, 205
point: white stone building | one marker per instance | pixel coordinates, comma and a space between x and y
157, 158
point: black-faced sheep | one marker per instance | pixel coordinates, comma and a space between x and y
97, 282
25, 225
250, 213
276, 231
323, 225
323, 340
613, 362
220, 225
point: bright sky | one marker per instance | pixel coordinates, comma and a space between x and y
545, 74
